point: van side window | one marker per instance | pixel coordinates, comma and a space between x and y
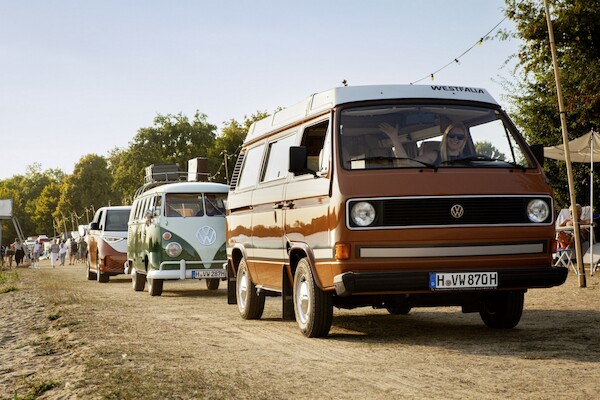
157, 205
314, 141
251, 168
278, 159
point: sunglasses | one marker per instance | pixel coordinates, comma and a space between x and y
457, 136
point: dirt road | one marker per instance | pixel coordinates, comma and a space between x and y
63, 337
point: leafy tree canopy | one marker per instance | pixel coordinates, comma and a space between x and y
576, 25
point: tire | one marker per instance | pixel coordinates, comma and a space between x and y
91, 276
402, 309
212, 284
502, 310
312, 306
250, 303
155, 286
138, 281
102, 277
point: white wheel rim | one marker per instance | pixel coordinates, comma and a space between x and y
243, 289
303, 301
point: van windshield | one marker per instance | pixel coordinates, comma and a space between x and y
116, 220
437, 136
195, 204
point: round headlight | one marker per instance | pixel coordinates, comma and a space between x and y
363, 213
173, 249
537, 210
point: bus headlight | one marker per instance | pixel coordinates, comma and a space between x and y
537, 210
173, 249
363, 213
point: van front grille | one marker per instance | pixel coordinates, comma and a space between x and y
437, 211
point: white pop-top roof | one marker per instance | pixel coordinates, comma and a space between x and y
320, 102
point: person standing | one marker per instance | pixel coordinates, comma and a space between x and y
72, 251
37, 251
62, 253
82, 250
54, 250
19, 251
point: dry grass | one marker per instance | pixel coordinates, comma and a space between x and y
88, 340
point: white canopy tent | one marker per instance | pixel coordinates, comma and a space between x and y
584, 149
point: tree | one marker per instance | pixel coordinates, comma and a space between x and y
228, 144
487, 149
172, 139
533, 97
26, 191
88, 186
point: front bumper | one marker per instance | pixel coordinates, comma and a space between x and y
350, 283
186, 270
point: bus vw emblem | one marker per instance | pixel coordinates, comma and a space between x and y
206, 235
457, 211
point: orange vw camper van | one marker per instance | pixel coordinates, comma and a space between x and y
394, 197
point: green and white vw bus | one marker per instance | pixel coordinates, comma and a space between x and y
177, 231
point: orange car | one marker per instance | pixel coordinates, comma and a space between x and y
107, 243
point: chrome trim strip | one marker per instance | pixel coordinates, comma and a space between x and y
450, 251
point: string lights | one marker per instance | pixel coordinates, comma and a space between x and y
455, 60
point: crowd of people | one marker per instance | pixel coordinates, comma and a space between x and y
57, 250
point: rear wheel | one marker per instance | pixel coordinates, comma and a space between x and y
502, 310
138, 281
212, 284
250, 303
90, 275
155, 286
402, 309
312, 306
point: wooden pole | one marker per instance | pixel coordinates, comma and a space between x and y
563, 124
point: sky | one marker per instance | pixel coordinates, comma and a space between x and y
82, 77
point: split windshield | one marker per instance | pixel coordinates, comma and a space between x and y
436, 136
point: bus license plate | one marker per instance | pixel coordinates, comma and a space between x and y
208, 273
463, 280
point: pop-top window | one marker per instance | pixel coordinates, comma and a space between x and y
251, 168
438, 136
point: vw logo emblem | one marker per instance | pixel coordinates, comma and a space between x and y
206, 235
457, 211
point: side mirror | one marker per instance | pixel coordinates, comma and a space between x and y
94, 226
298, 160
538, 153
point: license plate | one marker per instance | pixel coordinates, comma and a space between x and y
208, 273
462, 280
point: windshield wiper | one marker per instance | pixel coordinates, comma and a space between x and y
382, 158
480, 157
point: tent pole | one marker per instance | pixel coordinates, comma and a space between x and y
563, 124
592, 203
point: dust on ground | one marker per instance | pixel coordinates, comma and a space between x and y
64, 337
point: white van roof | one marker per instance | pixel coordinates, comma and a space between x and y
189, 187
319, 103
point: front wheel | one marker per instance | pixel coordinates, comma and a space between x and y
312, 306
155, 286
250, 303
91, 276
212, 284
138, 281
502, 310
102, 277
